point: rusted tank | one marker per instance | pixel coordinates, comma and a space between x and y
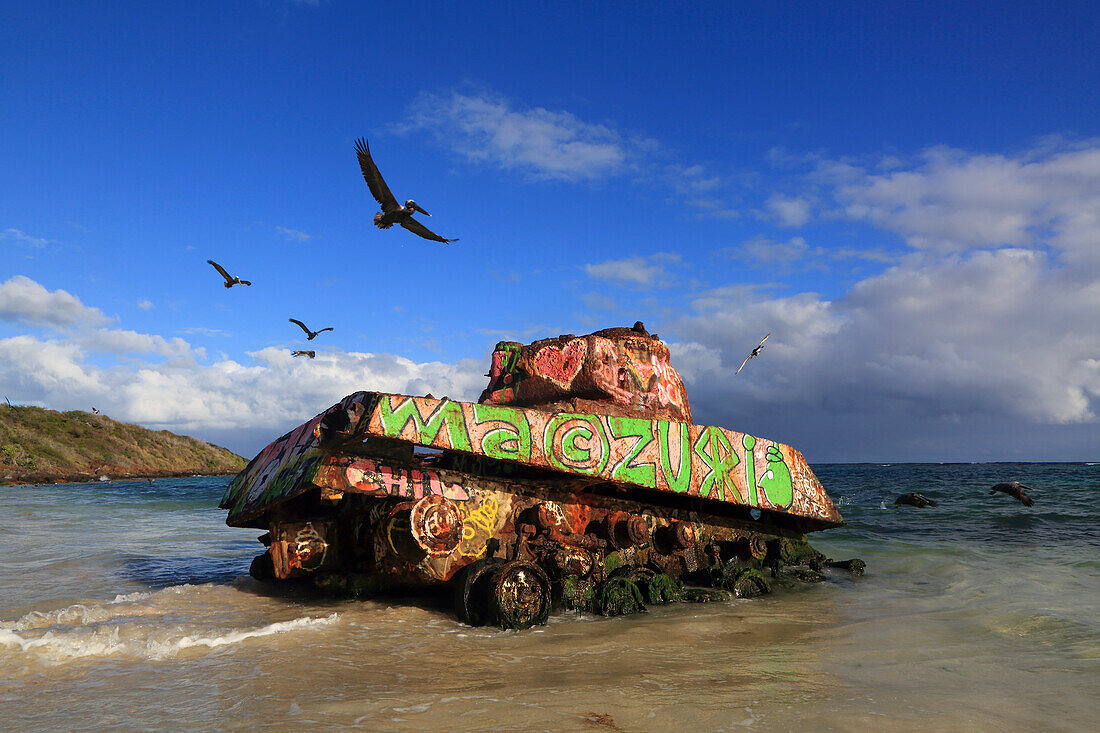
577, 480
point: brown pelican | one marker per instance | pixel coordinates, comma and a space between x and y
300, 352
309, 334
229, 281
392, 212
918, 500
1016, 490
755, 352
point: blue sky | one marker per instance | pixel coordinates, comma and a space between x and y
906, 197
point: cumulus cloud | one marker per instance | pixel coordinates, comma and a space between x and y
24, 301
951, 200
992, 335
488, 128
269, 393
145, 304
651, 270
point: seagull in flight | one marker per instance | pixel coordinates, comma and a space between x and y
392, 212
229, 281
755, 352
310, 335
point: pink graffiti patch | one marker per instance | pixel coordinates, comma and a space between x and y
560, 366
373, 478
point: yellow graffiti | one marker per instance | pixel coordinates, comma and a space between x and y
479, 524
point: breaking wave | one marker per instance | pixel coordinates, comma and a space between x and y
131, 626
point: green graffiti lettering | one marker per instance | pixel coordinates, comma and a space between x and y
509, 442
574, 442
644, 474
776, 481
446, 413
681, 480
750, 469
720, 460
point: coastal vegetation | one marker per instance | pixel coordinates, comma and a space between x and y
39, 445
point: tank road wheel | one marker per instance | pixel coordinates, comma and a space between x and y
471, 590
519, 596
750, 583
661, 588
619, 596
657, 587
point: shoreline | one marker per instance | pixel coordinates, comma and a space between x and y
84, 477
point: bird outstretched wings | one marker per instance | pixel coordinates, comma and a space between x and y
754, 352
309, 334
375, 182
220, 269
417, 228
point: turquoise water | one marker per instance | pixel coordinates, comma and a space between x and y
127, 605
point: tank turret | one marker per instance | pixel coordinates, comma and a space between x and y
619, 371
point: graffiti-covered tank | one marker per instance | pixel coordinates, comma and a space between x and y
577, 480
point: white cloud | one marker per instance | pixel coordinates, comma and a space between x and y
186, 396
145, 304
789, 212
797, 254
951, 201
24, 301
993, 334
294, 235
14, 235
118, 342
489, 128
651, 270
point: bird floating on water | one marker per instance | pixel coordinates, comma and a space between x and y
1016, 490
918, 500
302, 352
310, 335
755, 352
392, 212
229, 281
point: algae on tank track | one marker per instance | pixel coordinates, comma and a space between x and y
577, 480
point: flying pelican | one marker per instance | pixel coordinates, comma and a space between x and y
309, 334
229, 281
300, 352
755, 352
1016, 490
392, 212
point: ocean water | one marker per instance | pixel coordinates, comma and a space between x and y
127, 606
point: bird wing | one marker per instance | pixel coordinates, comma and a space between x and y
417, 228
325, 329
302, 325
220, 269
764, 339
375, 182
246, 282
746, 361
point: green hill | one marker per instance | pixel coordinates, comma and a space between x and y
40, 446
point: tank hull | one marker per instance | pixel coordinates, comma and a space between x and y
516, 509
